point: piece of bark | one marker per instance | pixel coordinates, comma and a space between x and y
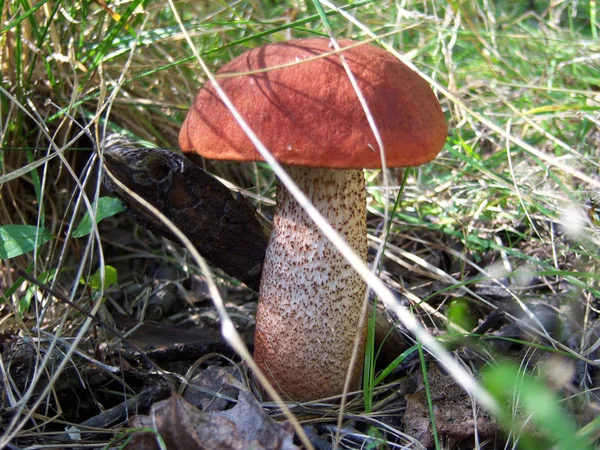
225, 229
167, 342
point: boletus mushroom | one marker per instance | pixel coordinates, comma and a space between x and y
298, 99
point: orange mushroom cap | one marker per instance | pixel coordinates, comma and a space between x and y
308, 114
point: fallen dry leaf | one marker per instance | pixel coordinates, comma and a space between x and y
254, 424
453, 410
182, 426
213, 380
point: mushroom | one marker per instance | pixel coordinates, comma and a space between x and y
298, 99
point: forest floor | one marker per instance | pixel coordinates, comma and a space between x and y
108, 328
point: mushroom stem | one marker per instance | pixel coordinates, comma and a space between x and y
310, 297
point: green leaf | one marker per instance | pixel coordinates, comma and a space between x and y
15, 240
107, 207
95, 281
460, 313
44, 278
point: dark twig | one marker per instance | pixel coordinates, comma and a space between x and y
490, 323
118, 412
104, 325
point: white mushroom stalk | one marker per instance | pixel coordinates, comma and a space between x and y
310, 296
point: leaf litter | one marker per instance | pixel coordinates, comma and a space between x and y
182, 425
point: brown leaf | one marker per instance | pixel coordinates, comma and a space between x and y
254, 424
184, 427
453, 410
213, 379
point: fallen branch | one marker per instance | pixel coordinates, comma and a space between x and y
225, 229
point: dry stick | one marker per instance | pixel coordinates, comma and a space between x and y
226, 230
102, 420
116, 333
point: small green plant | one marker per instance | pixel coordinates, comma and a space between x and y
25, 302
460, 313
95, 281
16, 240
520, 398
106, 207
377, 440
